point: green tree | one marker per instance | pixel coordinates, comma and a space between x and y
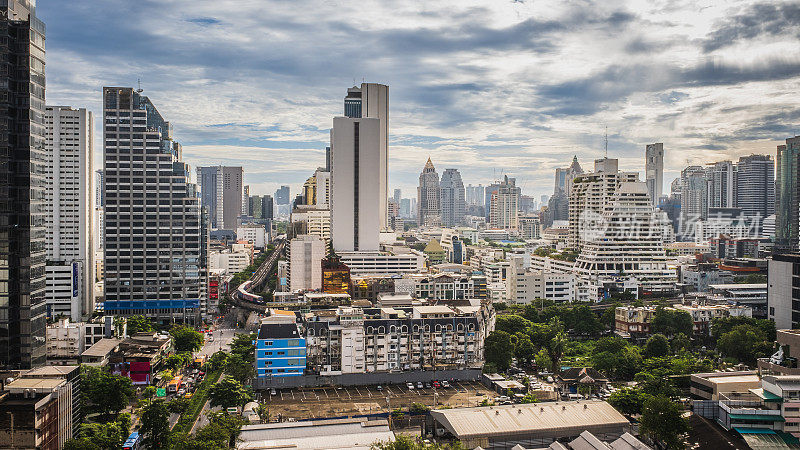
217, 361
242, 344
628, 401
175, 361
106, 393
155, 425
745, 343
555, 350
149, 392
753, 278
228, 425
228, 392
139, 324
609, 318
680, 342
512, 324
102, 436
724, 325
239, 369
499, 350
263, 411
186, 339
670, 322
656, 346
403, 442
662, 420
543, 360
586, 322
524, 350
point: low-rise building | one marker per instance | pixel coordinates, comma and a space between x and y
380, 263
254, 233
702, 275
442, 286
353, 433
280, 350
709, 386
753, 295
140, 356
527, 285
67, 340
528, 425
787, 360
634, 321
228, 262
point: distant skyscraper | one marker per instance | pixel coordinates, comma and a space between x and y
156, 238
246, 200
222, 194
355, 169
504, 206
70, 208
654, 170
282, 196
405, 208
22, 211
694, 195
755, 185
371, 100
453, 203
721, 185
429, 197
786, 195
544, 199
475, 195
397, 196
564, 177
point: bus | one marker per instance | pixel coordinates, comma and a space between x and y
133, 442
174, 385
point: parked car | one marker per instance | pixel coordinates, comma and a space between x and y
380, 388
410, 386
419, 385
181, 391
445, 384
436, 384
273, 392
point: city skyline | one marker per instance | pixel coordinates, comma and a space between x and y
709, 67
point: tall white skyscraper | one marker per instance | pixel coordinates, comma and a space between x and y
654, 170
70, 203
722, 185
504, 205
371, 101
355, 173
156, 241
452, 198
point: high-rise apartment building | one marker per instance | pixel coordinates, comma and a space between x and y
721, 178
222, 194
787, 198
355, 169
22, 171
475, 195
654, 170
504, 205
156, 240
626, 247
589, 195
429, 197
371, 101
282, 196
694, 197
246, 200
755, 185
453, 203
70, 197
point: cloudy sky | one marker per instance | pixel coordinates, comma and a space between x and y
488, 87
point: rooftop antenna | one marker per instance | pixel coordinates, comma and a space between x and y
606, 141
139, 84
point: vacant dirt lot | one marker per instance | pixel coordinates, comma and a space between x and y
309, 403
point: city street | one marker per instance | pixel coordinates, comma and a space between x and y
222, 338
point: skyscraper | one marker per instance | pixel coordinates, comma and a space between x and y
246, 200
654, 170
371, 100
397, 196
589, 196
282, 196
504, 207
721, 185
70, 197
453, 204
222, 194
564, 177
429, 197
22, 210
786, 195
355, 157
694, 196
156, 240
755, 185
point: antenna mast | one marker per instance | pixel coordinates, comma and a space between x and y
139, 84
606, 142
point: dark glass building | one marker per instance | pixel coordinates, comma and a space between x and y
22, 183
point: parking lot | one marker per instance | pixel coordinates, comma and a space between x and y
321, 402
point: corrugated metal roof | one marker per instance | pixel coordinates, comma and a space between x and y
541, 418
318, 434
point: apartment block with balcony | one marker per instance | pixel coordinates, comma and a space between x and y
280, 350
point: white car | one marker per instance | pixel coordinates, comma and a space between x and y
410, 386
445, 384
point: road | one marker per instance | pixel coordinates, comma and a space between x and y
222, 338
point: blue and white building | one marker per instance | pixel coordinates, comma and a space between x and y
280, 350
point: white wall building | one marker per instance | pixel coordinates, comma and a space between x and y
381, 263
527, 285
356, 174
305, 263
316, 222
256, 234
228, 262
70, 203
